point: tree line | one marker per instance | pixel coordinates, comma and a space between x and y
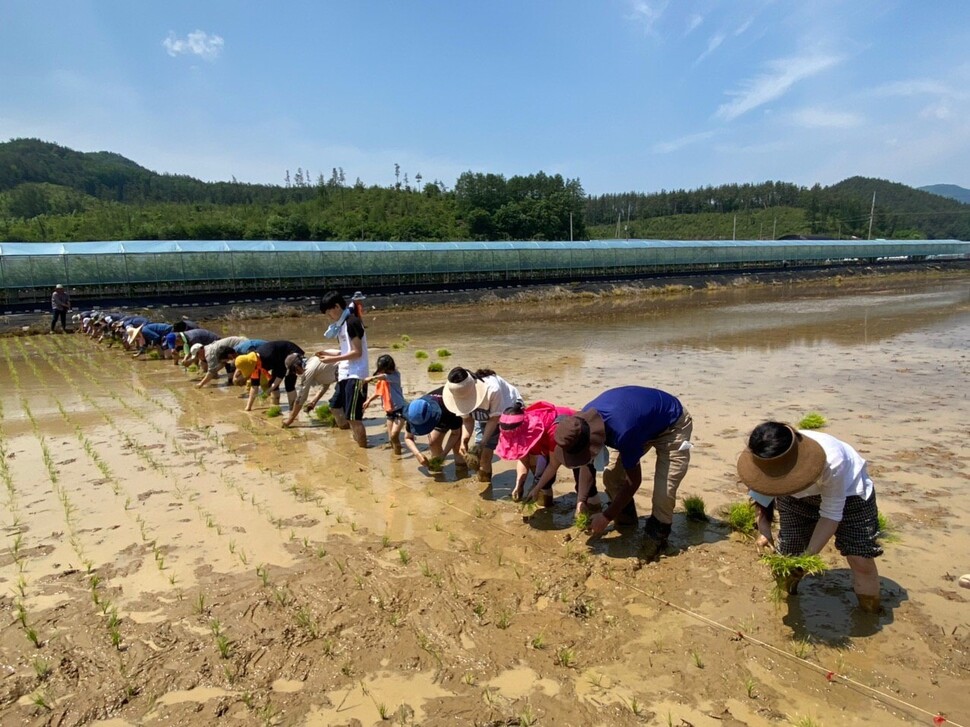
52, 193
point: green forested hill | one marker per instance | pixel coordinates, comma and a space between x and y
52, 193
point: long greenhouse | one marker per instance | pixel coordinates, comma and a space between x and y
171, 269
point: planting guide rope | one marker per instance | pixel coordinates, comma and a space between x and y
938, 719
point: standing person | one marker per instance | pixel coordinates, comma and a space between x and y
528, 436
270, 362
347, 402
429, 415
312, 372
821, 488
480, 397
632, 420
60, 305
388, 389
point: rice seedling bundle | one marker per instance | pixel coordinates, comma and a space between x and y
323, 415
435, 464
812, 420
274, 411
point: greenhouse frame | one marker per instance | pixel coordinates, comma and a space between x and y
172, 269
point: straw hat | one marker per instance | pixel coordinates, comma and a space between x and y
464, 397
580, 438
787, 473
133, 333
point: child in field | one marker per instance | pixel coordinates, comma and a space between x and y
388, 390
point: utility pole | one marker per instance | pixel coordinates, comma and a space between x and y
734, 235
570, 226
872, 212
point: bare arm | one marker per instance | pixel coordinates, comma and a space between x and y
824, 530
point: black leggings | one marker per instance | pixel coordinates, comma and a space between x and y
62, 314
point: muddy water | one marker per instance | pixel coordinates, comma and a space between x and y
353, 585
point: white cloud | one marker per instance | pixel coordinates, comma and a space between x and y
197, 43
818, 118
782, 74
744, 26
937, 111
693, 22
712, 46
647, 13
667, 147
916, 87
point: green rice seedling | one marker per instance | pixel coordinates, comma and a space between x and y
504, 619
595, 679
308, 623
41, 668
468, 678
698, 661
443, 353
782, 566
694, 508
282, 596
812, 420
582, 522
436, 464
154, 355
215, 626
115, 635
801, 647
200, 603
804, 722
405, 338
397, 346
636, 707
382, 711
193, 368
887, 530
538, 641
741, 517
274, 411
421, 354
749, 685
224, 645
32, 636
565, 656
404, 555
22, 614
324, 416
435, 367
527, 718
42, 700
263, 574
479, 609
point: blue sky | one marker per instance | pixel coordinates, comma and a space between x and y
622, 94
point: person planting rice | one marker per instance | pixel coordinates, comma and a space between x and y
527, 436
267, 366
632, 420
480, 398
148, 335
216, 356
347, 403
821, 488
388, 390
429, 415
186, 339
312, 372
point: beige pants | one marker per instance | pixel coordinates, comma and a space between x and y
667, 475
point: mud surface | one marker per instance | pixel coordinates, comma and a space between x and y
179, 561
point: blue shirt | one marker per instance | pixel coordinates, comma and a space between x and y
633, 415
154, 332
247, 346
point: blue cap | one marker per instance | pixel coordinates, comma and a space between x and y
169, 341
423, 415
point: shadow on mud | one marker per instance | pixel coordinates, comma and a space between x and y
825, 609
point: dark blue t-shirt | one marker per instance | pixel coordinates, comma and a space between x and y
633, 415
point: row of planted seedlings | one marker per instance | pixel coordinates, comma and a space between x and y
70, 509
223, 643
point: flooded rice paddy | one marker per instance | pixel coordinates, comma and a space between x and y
168, 558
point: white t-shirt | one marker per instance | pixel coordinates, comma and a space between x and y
843, 476
501, 395
358, 368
